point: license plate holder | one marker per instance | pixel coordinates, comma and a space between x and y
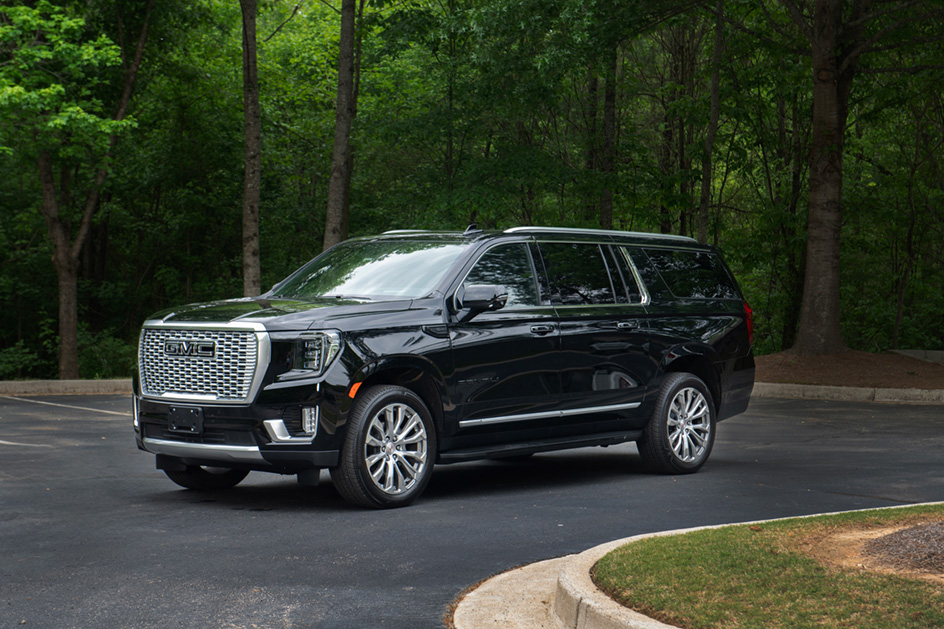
185, 419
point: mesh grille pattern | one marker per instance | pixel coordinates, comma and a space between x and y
228, 375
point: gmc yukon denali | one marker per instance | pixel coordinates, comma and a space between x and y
386, 355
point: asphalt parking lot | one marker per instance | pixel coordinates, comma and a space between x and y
91, 535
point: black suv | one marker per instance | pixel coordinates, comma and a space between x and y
386, 355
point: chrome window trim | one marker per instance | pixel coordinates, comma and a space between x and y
583, 306
263, 357
546, 415
643, 291
212, 452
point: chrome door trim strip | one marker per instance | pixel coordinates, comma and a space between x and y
546, 415
213, 452
600, 409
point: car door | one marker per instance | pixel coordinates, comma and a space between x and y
506, 381
605, 362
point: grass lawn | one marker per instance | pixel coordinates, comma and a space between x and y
758, 576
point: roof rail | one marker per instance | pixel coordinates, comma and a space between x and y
594, 232
406, 231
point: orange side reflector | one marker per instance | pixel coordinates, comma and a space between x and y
353, 391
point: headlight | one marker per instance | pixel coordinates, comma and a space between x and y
314, 351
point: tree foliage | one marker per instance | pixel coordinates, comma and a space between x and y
646, 115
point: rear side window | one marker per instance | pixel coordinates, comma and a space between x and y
578, 274
694, 274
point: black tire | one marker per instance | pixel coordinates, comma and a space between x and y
388, 452
207, 478
681, 433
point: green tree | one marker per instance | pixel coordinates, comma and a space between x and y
839, 34
52, 79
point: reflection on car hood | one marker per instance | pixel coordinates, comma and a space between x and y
276, 313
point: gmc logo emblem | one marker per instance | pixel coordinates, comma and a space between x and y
190, 349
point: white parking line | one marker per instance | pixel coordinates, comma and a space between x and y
24, 445
80, 408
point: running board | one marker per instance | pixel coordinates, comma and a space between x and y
532, 447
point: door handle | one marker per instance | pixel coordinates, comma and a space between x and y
628, 325
541, 330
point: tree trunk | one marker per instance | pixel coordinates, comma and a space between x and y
909, 265
608, 155
796, 260
252, 178
910, 238
349, 170
66, 266
710, 133
819, 332
336, 219
591, 161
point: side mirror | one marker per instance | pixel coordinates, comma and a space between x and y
481, 297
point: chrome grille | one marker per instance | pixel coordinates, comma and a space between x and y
226, 376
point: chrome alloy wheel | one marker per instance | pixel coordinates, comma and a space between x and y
689, 424
395, 448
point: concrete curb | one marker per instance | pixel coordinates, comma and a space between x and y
524, 599
848, 394
930, 355
761, 390
65, 387
578, 604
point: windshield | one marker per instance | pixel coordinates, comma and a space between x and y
385, 269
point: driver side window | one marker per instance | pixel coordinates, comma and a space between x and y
509, 266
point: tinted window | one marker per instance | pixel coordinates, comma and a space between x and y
619, 260
509, 266
694, 274
374, 269
577, 273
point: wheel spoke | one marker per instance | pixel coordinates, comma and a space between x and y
376, 469
410, 469
699, 409
399, 417
698, 439
417, 455
414, 432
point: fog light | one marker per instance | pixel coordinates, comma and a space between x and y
135, 420
310, 420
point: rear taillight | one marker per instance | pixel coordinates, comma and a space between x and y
750, 322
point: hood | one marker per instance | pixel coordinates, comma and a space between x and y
277, 314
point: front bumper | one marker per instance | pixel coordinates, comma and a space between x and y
253, 437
